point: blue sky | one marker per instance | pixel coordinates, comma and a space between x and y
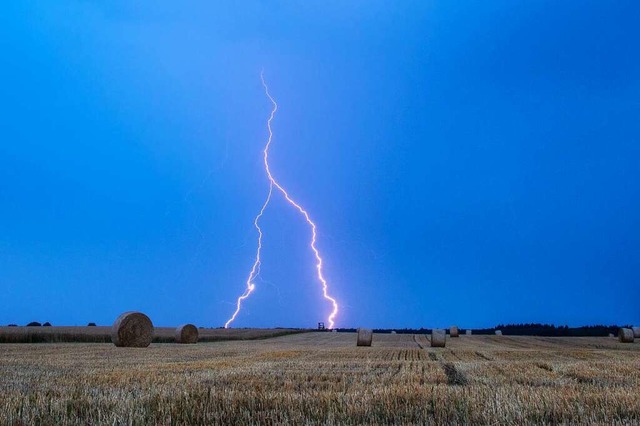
466, 163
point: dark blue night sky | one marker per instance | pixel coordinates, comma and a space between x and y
467, 163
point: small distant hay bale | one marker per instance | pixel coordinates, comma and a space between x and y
468, 332
453, 331
132, 330
187, 333
625, 335
393, 332
334, 331
636, 332
498, 332
611, 335
438, 338
365, 336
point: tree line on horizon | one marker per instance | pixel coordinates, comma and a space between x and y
528, 329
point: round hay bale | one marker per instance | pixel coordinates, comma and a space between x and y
498, 332
611, 335
636, 331
365, 336
393, 332
187, 333
468, 332
453, 331
625, 335
438, 338
334, 331
132, 330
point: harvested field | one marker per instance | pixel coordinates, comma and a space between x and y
103, 334
323, 378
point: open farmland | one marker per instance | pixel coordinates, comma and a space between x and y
103, 334
324, 378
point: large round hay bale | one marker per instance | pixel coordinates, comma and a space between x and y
453, 331
636, 332
438, 338
498, 332
187, 333
468, 332
365, 336
625, 335
132, 330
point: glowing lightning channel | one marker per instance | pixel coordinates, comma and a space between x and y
255, 269
325, 286
272, 182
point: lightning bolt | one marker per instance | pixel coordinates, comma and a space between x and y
255, 270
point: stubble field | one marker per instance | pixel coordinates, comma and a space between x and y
323, 378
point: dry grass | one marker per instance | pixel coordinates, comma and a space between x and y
322, 378
103, 334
